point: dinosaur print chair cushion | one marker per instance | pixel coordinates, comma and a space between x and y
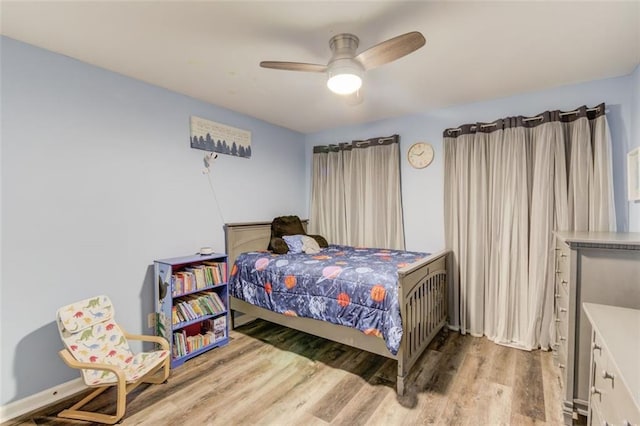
91, 335
85, 313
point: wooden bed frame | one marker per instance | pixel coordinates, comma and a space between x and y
422, 296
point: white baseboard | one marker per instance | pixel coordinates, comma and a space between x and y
41, 399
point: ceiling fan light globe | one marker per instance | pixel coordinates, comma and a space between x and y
344, 84
344, 76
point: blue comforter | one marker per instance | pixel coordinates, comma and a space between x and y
350, 286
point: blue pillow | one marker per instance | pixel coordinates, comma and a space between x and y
294, 242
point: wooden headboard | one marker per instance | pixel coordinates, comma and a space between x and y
248, 236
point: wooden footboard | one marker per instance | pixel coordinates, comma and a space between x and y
422, 290
423, 307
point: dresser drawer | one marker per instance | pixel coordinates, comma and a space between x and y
561, 317
561, 346
617, 406
597, 353
600, 397
562, 260
609, 394
561, 305
560, 356
562, 283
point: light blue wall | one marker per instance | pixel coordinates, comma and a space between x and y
422, 190
98, 180
634, 206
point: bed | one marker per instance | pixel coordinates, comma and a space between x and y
421, 297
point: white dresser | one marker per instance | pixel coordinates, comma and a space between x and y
592, 267
615, 365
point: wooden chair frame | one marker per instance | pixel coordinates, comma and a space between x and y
123, 388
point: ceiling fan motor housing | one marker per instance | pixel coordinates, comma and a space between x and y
344, 72
343, 46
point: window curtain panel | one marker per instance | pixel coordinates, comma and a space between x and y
508, 185
356, 196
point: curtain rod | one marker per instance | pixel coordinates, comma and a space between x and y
482, 126
379, 141
356, 144
537, 117
562, 114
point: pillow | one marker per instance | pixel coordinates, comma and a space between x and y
301, 243
310, 245
294, 242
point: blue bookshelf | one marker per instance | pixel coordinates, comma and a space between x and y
192, 304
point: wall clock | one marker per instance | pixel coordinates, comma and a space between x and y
420, 155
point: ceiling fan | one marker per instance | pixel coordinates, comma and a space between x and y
346, 69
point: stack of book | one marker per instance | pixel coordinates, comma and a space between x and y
192, 307
213, 331
216, 272
220, 328
198, 277
182, 282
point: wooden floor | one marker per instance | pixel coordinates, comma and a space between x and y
270, 375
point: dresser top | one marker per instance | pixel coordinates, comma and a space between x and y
600, 238
619, 329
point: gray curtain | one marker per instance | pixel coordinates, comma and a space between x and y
356, 195
508, 185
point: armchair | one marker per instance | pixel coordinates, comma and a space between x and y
99, 348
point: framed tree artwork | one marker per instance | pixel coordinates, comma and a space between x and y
215, 137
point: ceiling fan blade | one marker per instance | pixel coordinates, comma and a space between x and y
390, 50
293, 66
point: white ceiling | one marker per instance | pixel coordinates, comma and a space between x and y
210, 50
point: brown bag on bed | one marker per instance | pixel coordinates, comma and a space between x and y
289, 225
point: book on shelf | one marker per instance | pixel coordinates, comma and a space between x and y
176, 315
185, 311
177, 284
218, 271
220, 328
208, 275
183, 282
213, 301
197, 277
195, 306
198, 272
213, 330
180, 315
193, 303
179, 344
